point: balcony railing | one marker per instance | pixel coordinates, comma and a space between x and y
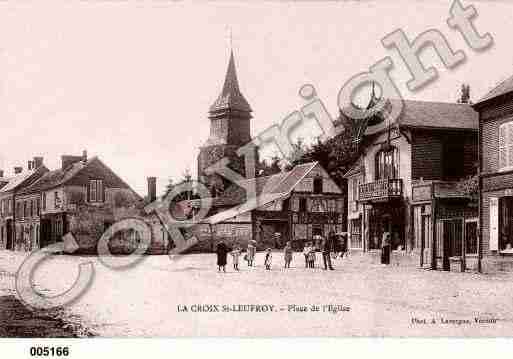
381, 190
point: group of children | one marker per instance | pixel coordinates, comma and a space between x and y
236, 253
309, 253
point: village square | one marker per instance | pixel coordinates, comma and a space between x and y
402, 217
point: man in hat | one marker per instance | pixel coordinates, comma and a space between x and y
326, 248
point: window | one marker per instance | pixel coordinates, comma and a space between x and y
38, 206
317, 185
505, 223
387, 164
332, 205
57, 200
96, 192
318, 205
355, 183
356, 234
31, 209
44, 201
302, 205
25, 209
471, 236
452, 231
506, 146
286, 204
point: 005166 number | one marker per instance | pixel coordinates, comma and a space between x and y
49, 351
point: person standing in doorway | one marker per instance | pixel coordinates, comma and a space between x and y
326, 248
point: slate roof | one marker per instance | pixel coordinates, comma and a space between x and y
501, 89
231, 98
434, 115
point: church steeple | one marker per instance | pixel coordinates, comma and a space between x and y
230, 128
230, 98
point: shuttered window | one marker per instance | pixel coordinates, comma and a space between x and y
96, 191
506, 146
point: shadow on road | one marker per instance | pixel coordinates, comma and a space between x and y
18, 321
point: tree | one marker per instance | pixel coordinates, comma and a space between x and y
269, 167
186, 178
464, 94
336, 154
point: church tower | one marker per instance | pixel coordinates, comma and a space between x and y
229, 117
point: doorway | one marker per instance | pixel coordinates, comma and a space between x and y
9, 235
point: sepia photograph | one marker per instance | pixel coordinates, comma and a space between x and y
278, 169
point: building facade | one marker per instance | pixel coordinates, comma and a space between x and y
293, 206
10, 188
496, 178
406, 183
81, 198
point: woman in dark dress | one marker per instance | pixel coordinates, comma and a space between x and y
385, 248
222, 251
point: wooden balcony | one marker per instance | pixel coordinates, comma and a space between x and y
381, 190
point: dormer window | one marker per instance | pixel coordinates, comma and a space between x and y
387, 163
95, 191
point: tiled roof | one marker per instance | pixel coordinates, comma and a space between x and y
16, 180
231, 97
283, 182
269, 189
501, 89
293, 177
57, 177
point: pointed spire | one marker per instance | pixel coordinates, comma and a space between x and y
231, 97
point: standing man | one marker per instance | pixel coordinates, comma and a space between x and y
277, 242
326, 248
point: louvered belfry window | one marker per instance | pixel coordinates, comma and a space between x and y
506, 146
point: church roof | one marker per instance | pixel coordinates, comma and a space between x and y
231, 98
268, 189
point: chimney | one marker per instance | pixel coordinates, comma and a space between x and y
30, 165
18, 170
152, 189
1, 173
68, 160
84, 156
38, 162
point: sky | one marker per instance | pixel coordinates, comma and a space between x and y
132, 82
